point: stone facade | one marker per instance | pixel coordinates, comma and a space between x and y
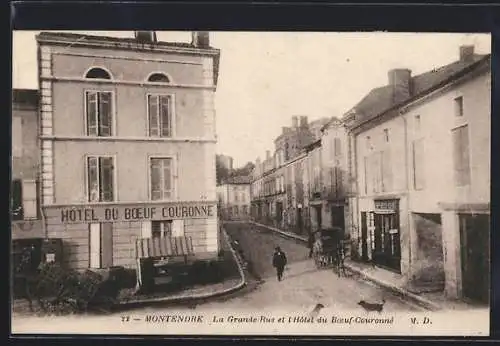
188, 81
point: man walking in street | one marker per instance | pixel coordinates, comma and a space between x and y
279, 262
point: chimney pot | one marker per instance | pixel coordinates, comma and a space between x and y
400, 80
303, 121
200, 39
466, 53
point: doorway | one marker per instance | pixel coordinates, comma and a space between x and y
364, 237
475, 254
319, 221
387, 251
338, 220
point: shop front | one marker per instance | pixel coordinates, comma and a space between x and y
102, 236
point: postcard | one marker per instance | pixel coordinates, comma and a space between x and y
251, 183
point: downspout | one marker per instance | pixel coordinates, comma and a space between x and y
407, 182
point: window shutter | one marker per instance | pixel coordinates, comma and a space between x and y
106, 178
106, 245
461, 155
29, 199
167, 178
93, 179
156, 192
166, 119
146, 229
91, 101
17, 136
178, 228
154, 129
17, 199
105, 114
95, 245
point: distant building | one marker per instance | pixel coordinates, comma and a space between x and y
316, 126
421, 161
128, 144
233, 195
225, 161
25, 202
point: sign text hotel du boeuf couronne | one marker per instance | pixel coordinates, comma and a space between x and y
95, 214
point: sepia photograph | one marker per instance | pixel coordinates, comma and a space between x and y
250, 183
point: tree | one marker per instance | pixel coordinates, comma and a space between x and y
221, 172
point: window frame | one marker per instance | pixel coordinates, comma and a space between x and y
115, 177
458, 110
169, 77
105, 69
172, 103
469, 179
113, 111
162, 228
174, 177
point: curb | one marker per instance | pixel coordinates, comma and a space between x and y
430, 305
201, 296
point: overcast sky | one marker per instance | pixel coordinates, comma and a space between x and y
266, 78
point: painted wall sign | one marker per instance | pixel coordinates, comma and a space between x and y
96, 214
386, 204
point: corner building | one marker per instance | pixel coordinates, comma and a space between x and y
127, 144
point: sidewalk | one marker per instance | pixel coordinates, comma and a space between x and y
230, 285
389, 280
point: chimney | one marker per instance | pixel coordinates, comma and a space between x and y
295, 122
200, 39
268, 154
400, 80
145, 36
466, 53
303, 121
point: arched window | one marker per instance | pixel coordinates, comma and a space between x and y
158, 78
98, 73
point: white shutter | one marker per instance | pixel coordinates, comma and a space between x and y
17, 137
178, 228
95, 245
146, 229
29, 199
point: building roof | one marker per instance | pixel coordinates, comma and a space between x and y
76, 39
25, 97
380, 100
313, 145
242, 179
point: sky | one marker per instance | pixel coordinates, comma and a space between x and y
265, 78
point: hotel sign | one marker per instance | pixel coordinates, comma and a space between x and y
96, 214
386, 204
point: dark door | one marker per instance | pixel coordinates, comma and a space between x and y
299, 220
338, 220
279, 212
319, 220
364, 237
474, 234
387, 241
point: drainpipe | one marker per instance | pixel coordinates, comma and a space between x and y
407, 182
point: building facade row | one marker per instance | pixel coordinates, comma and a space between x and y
406, 174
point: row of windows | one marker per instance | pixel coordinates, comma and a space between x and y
99, 114
102, 73
102, 185
23, 200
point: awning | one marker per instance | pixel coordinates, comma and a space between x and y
164, 247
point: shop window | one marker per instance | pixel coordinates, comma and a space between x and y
161, 178
160, 115
100, 245
161, 229
100, 178
99, 113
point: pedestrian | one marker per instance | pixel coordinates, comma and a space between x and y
310, 243
279, 262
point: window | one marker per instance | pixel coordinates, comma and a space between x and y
100, 178
161, 178
17, 136
160, 115
459, 106
158, 78
337, 147
386, 135
417, 123
418, 164
29, 199
16, 200
386, 168
99, 113
235, 195
368, 143
161, 229
98, 73
100, 245
461, 159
